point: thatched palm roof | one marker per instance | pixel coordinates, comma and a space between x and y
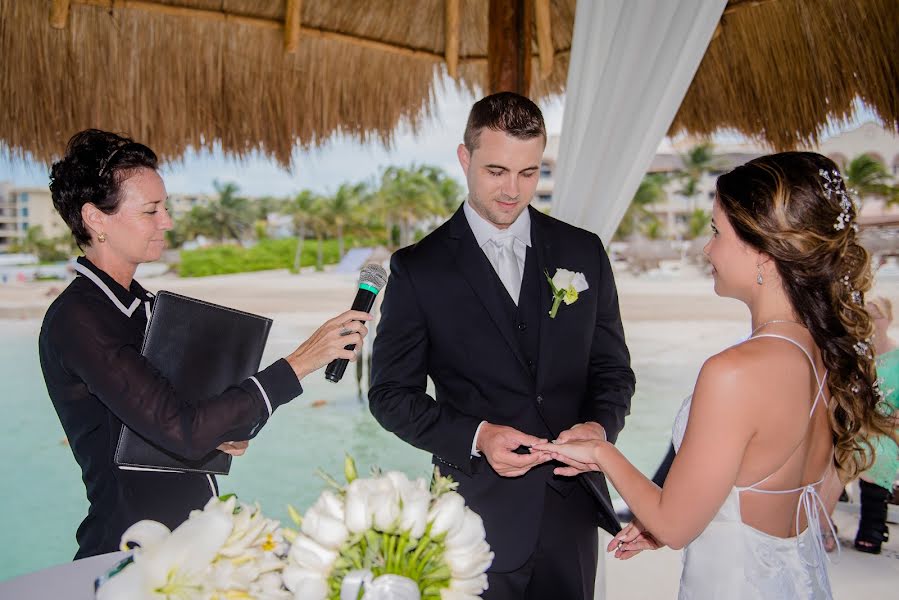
269, 75
778, 70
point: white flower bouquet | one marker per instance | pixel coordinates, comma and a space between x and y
388, 537
227, 550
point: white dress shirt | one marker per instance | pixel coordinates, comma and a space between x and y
484, 233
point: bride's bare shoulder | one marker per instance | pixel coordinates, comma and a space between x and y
753, 366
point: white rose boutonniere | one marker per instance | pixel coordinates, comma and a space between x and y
566, 286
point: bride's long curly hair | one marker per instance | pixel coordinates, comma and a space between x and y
788, 206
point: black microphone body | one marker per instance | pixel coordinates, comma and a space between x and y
365, 300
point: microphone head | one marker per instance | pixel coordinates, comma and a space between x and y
374, 275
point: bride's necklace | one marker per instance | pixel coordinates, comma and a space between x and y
771, 322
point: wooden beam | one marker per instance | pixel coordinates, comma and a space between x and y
509, 46
59, 14
451, 42
293, 23
151, 7
544, 37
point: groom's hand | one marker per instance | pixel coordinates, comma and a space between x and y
498, 442
591, 430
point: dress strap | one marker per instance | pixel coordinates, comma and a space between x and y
818, 396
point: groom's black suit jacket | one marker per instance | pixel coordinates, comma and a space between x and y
447, 315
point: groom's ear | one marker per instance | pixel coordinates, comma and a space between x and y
464, 158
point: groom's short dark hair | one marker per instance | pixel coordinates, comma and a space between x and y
508, 112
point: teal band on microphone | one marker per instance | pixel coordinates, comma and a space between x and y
369, 287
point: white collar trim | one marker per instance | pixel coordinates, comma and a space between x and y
105, 288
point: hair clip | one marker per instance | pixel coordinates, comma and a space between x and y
834, 184
863, 349
106, 162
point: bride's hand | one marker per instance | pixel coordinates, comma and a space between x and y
632, 540
579, 455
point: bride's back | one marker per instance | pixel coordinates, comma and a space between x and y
793, 442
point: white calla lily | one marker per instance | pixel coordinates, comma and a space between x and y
172, 566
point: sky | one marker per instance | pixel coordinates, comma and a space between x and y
341, 160
321, 170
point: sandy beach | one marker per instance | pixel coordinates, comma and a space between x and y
665, 315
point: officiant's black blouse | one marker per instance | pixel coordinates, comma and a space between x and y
89, 349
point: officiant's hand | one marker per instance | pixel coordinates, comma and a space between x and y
591, 430
632, 540
498, 442
328, 341
234, 448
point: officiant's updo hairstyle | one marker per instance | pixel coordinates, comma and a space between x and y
795, 207
508, 112
92, 170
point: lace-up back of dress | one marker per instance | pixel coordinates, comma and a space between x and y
776, 504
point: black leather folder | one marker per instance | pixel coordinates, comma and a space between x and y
202, 349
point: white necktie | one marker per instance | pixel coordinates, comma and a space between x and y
506, 265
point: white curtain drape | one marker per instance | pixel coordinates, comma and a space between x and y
631, 64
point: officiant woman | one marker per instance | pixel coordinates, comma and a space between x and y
108, 191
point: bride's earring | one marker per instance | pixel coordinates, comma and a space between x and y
759, 279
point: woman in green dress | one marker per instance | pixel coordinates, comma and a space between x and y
877, 482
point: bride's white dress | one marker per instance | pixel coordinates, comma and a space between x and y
732, 560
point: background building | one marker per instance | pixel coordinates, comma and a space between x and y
24, 208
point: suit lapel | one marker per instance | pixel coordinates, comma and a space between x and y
541, 240
475, 267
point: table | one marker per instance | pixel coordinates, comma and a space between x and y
71, 581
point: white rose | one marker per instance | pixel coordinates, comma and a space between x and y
305, 584
325, 529
385, 504
474, 586
309, 554
358, 515
469, 534
414, 517
446, 514
465, 563
451, 594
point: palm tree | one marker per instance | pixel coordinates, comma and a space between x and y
651, 191
304, 209
228, 216
698, 222
449, 190
697, 161
869, 177
342, 210
406, 197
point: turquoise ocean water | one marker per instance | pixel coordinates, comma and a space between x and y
42, 500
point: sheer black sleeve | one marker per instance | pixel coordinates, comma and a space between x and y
112, 368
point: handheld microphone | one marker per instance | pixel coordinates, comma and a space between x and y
371, 281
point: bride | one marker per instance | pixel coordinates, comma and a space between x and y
777, 421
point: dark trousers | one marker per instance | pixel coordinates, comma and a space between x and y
563, 566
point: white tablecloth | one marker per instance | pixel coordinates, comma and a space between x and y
69, 581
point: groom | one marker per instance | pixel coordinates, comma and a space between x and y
469, 306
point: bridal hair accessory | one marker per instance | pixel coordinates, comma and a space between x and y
863, 349
855, 294
834, 184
